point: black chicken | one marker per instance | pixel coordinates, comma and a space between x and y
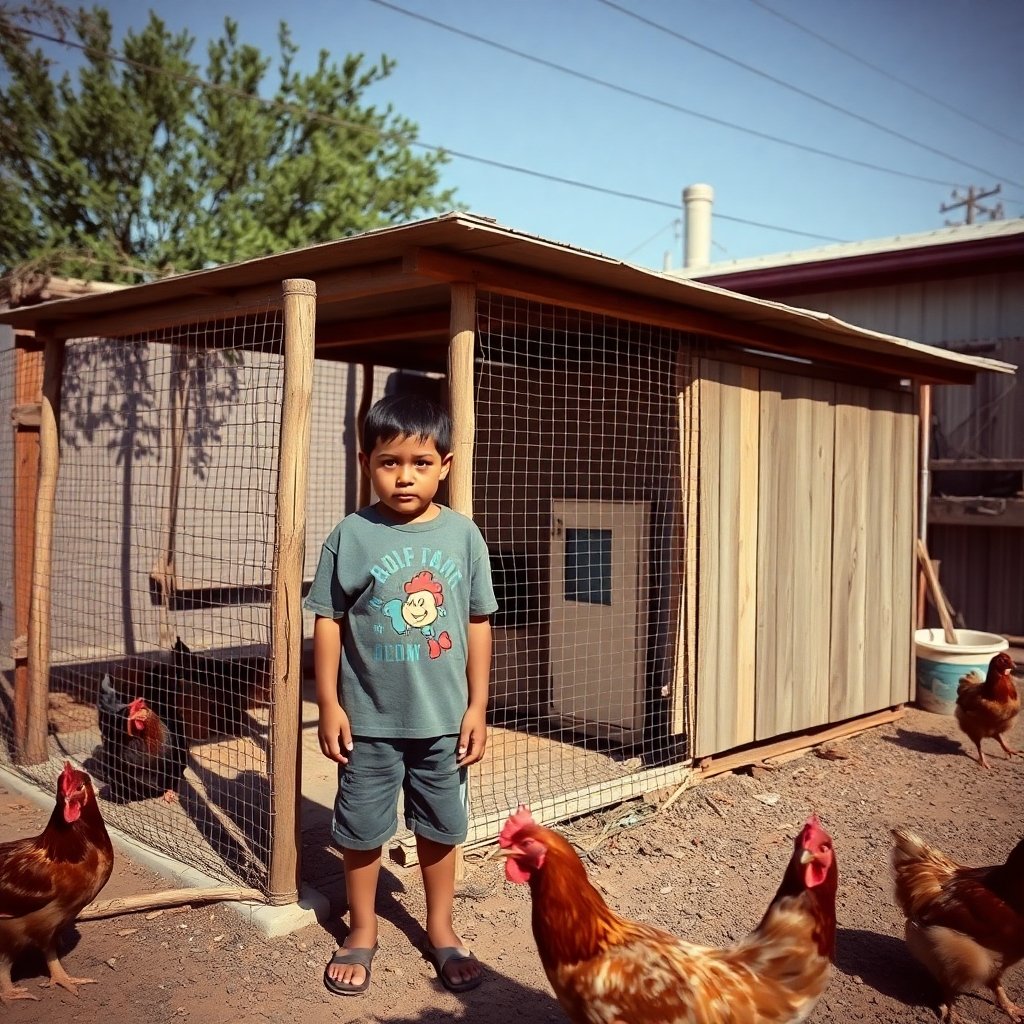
225, 688
144, 749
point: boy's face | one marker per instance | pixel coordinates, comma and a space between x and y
405, 473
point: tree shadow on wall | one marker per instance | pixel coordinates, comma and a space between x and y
118, 394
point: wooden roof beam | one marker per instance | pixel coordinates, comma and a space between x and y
401, 327
529, 284
220, 305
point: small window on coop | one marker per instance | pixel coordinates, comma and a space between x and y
588, 566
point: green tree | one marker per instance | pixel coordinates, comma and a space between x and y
143, 164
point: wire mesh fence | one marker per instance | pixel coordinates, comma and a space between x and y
164, 547
162, 558
579, 469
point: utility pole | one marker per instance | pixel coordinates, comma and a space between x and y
972, 203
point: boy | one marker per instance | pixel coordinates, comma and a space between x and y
402, 596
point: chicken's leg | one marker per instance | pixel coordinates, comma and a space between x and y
9, 991
58, 976
1009, 750
1015, 1013
981, 756
950, 1016
13, 992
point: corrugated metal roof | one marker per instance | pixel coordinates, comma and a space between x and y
958, 235
482, 238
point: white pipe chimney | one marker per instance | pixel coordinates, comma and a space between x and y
697, 200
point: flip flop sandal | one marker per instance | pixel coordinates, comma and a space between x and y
362, 957
441, 956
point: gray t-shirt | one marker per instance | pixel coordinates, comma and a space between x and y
406, 593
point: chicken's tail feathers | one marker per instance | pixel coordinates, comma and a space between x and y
907, 845
919, 871
969, 682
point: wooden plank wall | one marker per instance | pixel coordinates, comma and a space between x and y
727, 539
872, 564
807, 498
794, 538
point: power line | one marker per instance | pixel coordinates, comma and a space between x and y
304, 113
886, 74
647, 241
803, 92
659, 101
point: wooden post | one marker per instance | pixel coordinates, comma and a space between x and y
682, 603
285, 755
35, 751
924, 423
25, 419
461, 349
460, 389
365, 492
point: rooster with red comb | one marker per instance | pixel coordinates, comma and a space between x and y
605, 969
47, 879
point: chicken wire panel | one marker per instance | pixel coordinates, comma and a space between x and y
578, 488
162, 562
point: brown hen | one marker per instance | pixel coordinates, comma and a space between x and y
46, 880
965, 925
605, 969
989, 706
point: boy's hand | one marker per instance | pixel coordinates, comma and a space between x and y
472, 737
335, 734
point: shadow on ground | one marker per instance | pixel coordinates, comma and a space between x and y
925, 743
883, 963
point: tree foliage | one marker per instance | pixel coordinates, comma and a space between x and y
144, 164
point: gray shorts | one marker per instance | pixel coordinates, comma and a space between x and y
425, 770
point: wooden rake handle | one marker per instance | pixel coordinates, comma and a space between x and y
938, 598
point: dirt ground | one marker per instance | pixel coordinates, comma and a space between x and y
705, 868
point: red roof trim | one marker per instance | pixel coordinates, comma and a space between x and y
952, 259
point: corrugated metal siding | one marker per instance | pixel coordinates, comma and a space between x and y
962, 313
982, 573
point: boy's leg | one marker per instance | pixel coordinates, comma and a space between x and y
435, 810
362, 870
437, 865
364, 819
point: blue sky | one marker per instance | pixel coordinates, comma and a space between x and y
480, 101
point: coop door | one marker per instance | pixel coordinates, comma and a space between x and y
599, 574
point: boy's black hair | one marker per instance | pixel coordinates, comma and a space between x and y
407, 416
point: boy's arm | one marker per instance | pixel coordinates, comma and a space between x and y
334, 730
473, 735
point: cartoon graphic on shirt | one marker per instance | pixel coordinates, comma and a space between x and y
421, 610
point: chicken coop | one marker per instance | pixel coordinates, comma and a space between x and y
700, 509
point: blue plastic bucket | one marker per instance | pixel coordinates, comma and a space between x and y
941, 666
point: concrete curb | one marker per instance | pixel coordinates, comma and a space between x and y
273, 922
